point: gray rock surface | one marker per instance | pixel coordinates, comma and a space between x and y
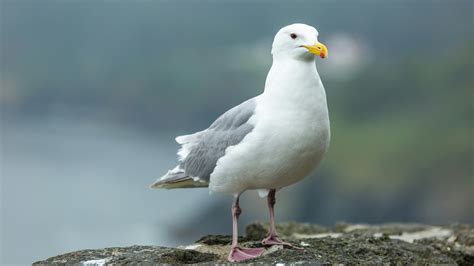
344, 243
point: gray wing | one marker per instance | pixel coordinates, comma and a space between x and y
228, 130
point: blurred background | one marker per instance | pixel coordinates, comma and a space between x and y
94, 92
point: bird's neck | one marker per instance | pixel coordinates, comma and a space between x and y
293, 80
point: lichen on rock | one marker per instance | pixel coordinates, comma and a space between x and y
344, 243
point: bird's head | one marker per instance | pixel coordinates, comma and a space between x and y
298, 41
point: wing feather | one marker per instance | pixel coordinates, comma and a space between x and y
200, 151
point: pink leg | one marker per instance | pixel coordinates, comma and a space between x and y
238, 253
272, 238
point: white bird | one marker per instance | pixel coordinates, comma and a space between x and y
266, 143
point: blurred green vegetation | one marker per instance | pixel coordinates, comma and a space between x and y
413, 123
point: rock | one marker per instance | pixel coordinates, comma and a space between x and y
133, 254
258, 230
345, 243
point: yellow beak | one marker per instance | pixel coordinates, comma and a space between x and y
318, 49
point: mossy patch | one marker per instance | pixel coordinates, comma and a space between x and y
219, 240
259, 230
343, 244
359, 249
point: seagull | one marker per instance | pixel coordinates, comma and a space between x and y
267, 142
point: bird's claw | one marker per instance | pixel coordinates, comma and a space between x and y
239, 254
272, 240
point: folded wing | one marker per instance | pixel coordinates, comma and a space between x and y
200, 151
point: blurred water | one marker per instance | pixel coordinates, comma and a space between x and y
76, 183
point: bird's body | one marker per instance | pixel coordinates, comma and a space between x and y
289, 138
268, 142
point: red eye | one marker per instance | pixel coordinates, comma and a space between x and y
293, 36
